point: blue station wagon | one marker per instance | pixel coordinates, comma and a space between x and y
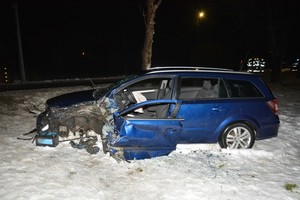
147, 115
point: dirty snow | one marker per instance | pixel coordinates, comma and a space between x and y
271, 170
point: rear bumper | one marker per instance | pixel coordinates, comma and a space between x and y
268, 131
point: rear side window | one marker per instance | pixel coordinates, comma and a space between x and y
242, 89
199, 88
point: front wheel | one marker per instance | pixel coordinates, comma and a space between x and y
237, 136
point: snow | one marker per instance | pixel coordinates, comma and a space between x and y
201, 171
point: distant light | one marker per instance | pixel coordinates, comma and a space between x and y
256, 64
83, 53
201, 14
4, 74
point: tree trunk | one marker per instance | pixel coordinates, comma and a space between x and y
276, 66
276, 33
152, 6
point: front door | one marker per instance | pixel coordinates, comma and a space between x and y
147, 134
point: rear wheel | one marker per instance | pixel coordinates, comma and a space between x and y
237, 136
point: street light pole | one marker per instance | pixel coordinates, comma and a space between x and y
20, 51
200, 16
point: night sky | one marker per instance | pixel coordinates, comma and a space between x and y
68, 39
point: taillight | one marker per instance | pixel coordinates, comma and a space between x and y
273, 104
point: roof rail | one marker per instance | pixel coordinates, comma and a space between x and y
187, 68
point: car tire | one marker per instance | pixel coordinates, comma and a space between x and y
237, 136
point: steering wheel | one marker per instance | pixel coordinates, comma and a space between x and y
129, 97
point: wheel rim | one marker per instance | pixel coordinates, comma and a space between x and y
238, 137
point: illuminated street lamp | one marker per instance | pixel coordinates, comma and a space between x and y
201, 14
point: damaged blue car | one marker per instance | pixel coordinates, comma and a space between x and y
147, 115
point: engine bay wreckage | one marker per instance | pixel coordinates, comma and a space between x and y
103, 119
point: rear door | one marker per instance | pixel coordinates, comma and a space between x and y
202, 108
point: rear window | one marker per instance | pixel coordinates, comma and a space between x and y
242, 89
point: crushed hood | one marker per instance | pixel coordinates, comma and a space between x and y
70, 99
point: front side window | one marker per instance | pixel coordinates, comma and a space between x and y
143, 90
242, 89
154, 88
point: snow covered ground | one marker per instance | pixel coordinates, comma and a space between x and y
271, 170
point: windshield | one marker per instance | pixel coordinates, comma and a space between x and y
100, 92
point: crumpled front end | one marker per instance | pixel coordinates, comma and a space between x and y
68, 122
82, 122
124, 138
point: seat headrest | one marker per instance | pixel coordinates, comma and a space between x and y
206, 84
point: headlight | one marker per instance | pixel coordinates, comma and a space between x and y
45, 127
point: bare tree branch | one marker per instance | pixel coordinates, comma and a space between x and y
143, 13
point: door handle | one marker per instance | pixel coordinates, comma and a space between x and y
217, 108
